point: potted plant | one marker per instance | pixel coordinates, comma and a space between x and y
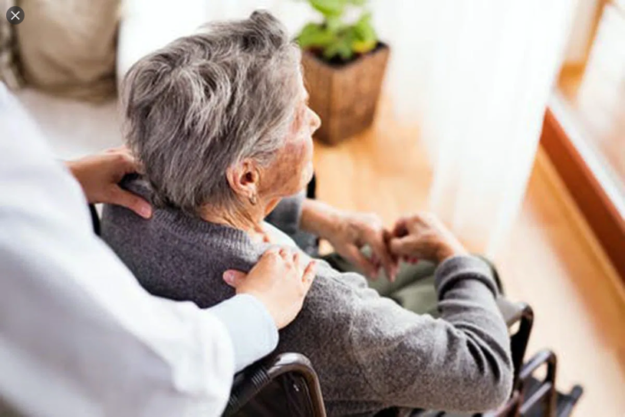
344, 65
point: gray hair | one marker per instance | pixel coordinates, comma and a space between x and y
207, 101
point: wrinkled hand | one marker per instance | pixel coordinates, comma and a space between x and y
352, 232
424, 236
100, 174
279, 280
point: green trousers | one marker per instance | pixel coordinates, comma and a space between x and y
413, 288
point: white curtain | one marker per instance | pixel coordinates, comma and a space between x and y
475, 76
478, 75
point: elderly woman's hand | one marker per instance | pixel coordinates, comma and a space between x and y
100, 174
348, 233
423, 236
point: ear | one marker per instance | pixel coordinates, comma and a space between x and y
244, 178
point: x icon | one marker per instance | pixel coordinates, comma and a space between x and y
15, 15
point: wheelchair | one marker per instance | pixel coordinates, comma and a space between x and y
287, 385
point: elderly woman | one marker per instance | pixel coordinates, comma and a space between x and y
221, 125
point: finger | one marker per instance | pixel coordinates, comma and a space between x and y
269, 259
400, 228
381, 252
353, 254
387, 261
309, 274
124, 198
402, 246
296, 261
233, 277
374, 260
394, 259
271, 253
284, 254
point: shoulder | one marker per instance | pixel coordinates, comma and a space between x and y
338, 296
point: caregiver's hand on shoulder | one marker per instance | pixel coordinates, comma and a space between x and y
100, 174
349, 232
279, 280
423, 236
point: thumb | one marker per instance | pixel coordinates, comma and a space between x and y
131, 201
403, 246
233, 277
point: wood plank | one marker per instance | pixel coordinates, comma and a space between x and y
598, 209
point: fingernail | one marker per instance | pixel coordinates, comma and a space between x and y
229, 277
145, 211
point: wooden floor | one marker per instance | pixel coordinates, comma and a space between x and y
550, 259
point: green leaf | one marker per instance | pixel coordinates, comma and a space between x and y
340, 48
315, 35
329, 8
333, 24
363, 29
336, 38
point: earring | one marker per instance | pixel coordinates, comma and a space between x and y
253, 199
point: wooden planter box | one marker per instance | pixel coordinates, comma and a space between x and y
345, 96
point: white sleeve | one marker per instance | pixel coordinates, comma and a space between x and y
78, 335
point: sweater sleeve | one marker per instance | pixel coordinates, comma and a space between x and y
460, 361
287, 214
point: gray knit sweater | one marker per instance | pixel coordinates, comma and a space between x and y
369, 352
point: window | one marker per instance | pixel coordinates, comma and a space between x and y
584, 132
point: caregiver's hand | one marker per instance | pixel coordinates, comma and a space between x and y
423, 236
349, 232
100, 174
279, 280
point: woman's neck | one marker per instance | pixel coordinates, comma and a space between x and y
247, 217
246, 220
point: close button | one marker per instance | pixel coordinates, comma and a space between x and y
15, 15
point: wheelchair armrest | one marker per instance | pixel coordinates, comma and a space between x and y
523, 315
545, 390
251, 381
514, 312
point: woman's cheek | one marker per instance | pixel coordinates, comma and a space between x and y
286, 175
300, 161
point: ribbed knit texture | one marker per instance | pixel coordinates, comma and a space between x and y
369, 352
